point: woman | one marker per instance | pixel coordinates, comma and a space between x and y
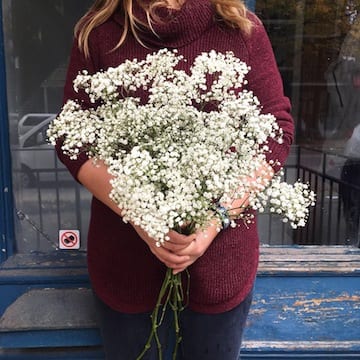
125, 266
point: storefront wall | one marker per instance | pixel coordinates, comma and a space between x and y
306, 297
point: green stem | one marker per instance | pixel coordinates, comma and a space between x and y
172, 291
154, 318
177, 304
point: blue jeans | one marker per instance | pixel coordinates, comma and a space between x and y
204, 336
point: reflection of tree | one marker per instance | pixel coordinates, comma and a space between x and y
344, 89
351, 45
325, 26
280, 20
276, 9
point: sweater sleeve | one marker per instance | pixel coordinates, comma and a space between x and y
265, 81
77, 63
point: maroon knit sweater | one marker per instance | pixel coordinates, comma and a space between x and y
123, 271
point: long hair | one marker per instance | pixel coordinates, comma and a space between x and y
233, 12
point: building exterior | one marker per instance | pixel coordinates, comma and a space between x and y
307, 296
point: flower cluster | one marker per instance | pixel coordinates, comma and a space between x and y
183, 146
291, 202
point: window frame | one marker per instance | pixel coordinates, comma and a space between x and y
7, 240
7, 215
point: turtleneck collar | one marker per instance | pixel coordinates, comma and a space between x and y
178, 27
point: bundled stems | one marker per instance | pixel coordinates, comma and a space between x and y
172, 291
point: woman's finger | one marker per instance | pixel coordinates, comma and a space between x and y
173, 247
168, 257
180, 239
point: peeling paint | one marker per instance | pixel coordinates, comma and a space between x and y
297, 309
319, 301
302, 345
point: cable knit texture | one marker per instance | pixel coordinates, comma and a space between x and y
123, 271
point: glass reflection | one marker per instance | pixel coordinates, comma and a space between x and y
37, 48
317, 47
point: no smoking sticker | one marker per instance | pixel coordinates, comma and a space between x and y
69, 239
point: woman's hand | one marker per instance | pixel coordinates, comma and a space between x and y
180, 251
168, 253
97, 180
200, 241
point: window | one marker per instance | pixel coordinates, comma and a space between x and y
318, 53
37, 47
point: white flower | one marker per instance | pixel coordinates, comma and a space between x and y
171, 157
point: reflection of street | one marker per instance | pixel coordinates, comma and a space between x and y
52, 209
45, 210
350, 186
330, 223
42, 212
327, 223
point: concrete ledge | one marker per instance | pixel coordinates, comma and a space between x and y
50, 309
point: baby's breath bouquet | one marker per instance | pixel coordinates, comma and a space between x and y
177, 144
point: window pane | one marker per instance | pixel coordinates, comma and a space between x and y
317, 47
318, 51
38, 37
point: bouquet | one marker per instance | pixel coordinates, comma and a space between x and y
177, 144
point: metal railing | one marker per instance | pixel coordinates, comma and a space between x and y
335, 218
55, 201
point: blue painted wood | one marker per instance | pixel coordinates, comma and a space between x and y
50, 338
305, 308
289, 356
59, 354
21, 273
291, 317
6, 213
9, 293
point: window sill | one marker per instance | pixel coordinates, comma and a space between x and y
55, 264
274, 260
309, 260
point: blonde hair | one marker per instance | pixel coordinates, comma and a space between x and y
233, 12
